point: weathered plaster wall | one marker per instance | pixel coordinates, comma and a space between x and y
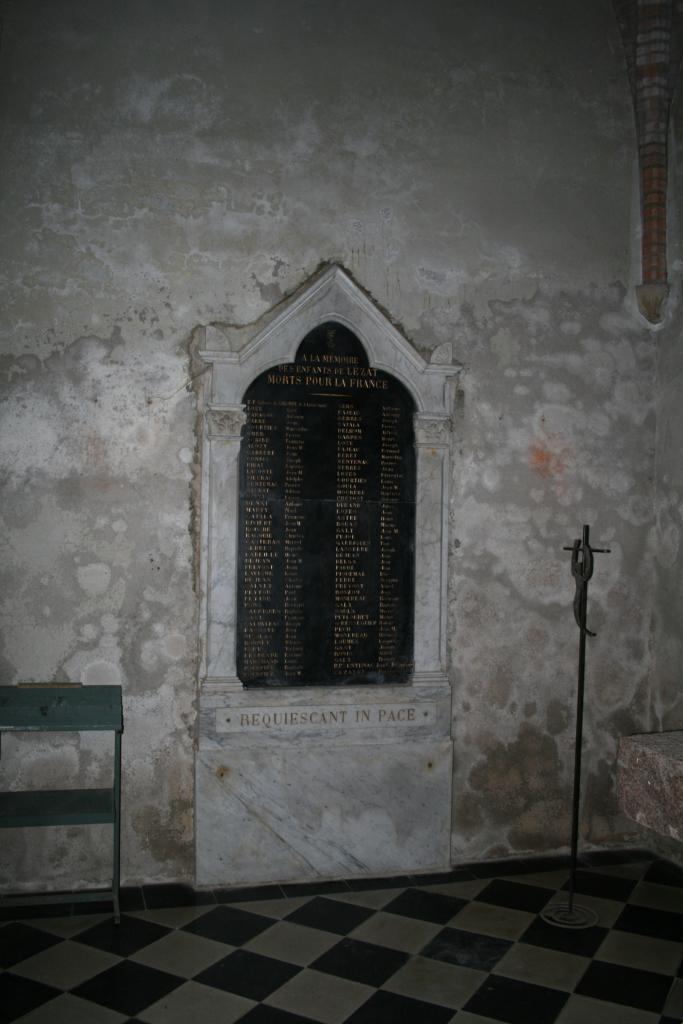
166, 165
564, 437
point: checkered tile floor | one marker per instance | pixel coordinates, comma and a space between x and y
468, 947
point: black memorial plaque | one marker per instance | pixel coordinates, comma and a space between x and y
326, 558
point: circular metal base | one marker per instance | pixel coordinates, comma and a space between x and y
561, 916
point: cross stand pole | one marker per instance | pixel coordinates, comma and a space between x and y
569, 914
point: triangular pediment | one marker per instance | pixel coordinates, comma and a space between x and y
331, 295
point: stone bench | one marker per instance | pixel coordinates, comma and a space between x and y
650, 781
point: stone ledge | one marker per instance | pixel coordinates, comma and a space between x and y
650, 781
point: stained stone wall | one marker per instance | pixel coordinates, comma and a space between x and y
667, 706
166, 167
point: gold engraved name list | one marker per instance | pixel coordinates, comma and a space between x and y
351, 619
390, 485
327, 505
261, 548
295, 433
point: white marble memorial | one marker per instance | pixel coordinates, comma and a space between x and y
304, 783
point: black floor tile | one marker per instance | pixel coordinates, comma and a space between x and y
426, 906
247, 974
125, 938
466, 949
518, 866
515, 895
128, 987
19, 996
95, 907
659, 924
19, 941
25, 912
314, 888
582, 941
360, 961
263, 1014
441, 877
247, 893
665, 873
395, 882
388, 1008
229, 924
330, 915
516, 1002
629, 855
159, 896
608, 887
131, 898
627, 986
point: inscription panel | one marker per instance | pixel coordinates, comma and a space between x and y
307, 717
327, 521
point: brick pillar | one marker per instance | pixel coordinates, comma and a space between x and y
650, 31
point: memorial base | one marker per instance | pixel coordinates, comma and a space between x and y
297, 787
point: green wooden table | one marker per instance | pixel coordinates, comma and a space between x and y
65, 709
